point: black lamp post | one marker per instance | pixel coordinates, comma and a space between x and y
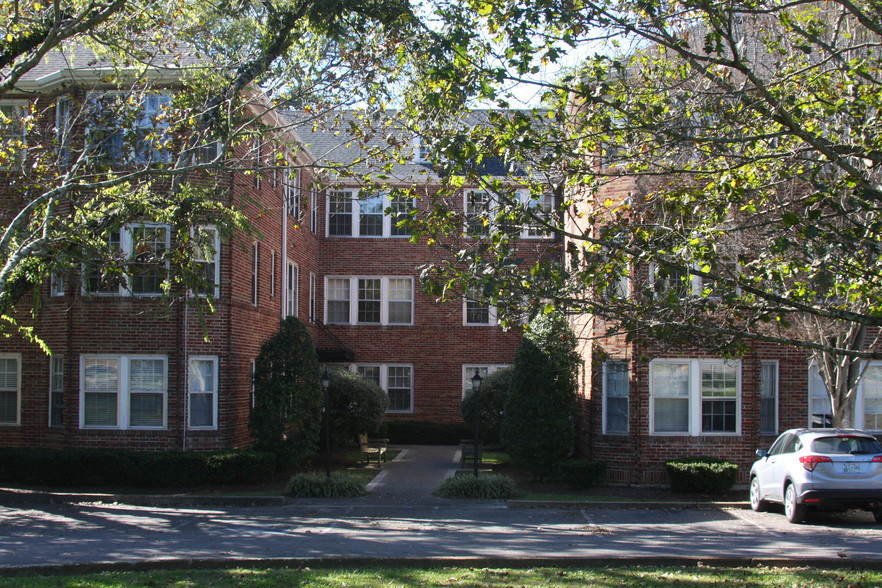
326, 425
476, 388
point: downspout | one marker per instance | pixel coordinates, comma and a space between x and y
284, 284
185, 374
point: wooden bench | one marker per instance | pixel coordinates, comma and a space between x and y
372, 448
470, 452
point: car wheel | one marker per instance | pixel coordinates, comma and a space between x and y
794, 511
756, 503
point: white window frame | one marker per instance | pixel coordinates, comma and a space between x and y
484, 370
384, 299
214, 392
859, 403
605, 401
773, 364
56, 285
384, 381
694, 398
272, 273
694, 288
492, 316
312, 297
56, 388
388, 221
533, 231
17, 358
202, 257
292, 289
313, 211
142, 123
291, 193
255, 273
123, 392
126, 246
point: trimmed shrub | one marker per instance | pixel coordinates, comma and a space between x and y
579, 473
484, 486
356, 405
537, 430
425, 433
104, 467
701, 475
318, 485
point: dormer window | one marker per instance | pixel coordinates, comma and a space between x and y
422, 150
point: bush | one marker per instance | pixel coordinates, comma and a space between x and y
356, 405
316, 485
104, 467
578, 473
537, 430
484, 486
425, 433
701, 475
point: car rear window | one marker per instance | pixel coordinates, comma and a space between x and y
844, 445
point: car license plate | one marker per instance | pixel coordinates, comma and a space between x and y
851, 468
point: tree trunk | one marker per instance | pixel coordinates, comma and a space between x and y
842, 374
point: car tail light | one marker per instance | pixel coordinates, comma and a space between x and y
877, 459
809, 462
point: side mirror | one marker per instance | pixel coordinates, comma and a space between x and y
761, 453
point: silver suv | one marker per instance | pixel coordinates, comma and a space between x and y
834, 469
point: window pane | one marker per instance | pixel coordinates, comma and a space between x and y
399, 388
146, 392
99, 409
371, 372
872, 388
370, 222
820, 409
616, 389
671, 415
718, 380
146, 410
147, 266
400, 300
718, 416
477, 207
769, 398
56, 391
340, 214
338, 301
369, 300
8, 390
401, 207
670, 379
201, 410
477, 313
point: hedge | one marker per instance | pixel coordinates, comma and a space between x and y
578, 473
701, 475
99, 467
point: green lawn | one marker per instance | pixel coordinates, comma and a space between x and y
405, 576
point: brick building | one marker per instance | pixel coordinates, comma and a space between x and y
132, 369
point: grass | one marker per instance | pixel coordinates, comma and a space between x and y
680, 576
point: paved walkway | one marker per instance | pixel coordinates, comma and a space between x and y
414, 474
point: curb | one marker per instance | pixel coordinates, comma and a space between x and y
597, 504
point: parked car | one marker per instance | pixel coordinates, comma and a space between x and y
833, 469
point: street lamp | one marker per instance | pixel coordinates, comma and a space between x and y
326, 383
476, 388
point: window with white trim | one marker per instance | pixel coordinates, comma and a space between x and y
616, 394
312, 296
56, 284
123, 391
291, 193
272, 273
363, 213
255, 272
202, 392
670, 280
56, 391
422, 150
313, 211
695, 397
484, 370
769, 397
478, 212
144, 246
867, 405
540, 209
477, 312
292, 289
395, 380
369, 300
12, 133
10, 388
257, 158
144, 140
205, 257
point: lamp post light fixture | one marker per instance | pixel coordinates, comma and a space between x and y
326, 425
476, 388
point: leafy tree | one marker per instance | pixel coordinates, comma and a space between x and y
287, 414
357, 405
537, 429
724, 157
230, 67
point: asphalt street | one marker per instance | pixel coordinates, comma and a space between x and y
400, 520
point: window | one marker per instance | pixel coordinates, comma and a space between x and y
272, 273
10, 388
143, 140
383, 301
202, 393
255, 272
769, 397
672, 281
396, 380
540, 209
123, 392
484, 370
312, 297
313, 211
205, 257
478, 207
292, 289
144, 248
422, 150
868, 402
12, 134
616, 386
257, 157
695, 397
62, 128
477, 312
363, 214
291, 193
56, 391
56, 284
